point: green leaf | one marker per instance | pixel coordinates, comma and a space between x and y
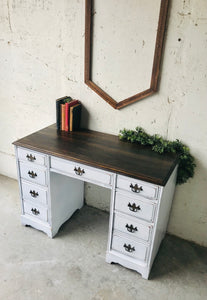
187, 164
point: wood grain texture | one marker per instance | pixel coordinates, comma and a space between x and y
159, 44
103, 151
87, 71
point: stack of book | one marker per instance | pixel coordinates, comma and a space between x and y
68, 114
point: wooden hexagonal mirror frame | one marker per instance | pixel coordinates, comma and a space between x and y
156, 60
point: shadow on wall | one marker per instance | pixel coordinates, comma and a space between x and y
84, 117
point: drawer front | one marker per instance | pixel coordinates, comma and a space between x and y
129, 247
33, 174
35, 211
132, 227
31, 156
34, 193
137, 187
134, 207
81, 171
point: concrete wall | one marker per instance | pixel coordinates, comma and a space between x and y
42, 58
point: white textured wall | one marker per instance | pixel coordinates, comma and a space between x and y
42, 58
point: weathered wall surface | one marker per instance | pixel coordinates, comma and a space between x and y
42, 58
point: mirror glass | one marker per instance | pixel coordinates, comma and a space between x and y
123, 38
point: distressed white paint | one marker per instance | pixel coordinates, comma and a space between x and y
143, 254
42, 57
49, 216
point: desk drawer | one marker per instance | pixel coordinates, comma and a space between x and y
81, 171
36, 211
33, 174
34, 193
31, 156
137, 187
129, 247
132, 227
134, 207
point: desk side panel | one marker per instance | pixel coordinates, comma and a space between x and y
67, 195
19, 179
163, 215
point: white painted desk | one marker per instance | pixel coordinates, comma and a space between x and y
53, 166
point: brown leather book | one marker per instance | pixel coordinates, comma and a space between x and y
62, 122
58, 109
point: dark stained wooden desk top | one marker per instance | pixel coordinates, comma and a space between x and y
103, 151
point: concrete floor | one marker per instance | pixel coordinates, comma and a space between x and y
72, 265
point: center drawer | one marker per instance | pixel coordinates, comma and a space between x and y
81, 171
134, 207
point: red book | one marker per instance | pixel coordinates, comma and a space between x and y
66, 115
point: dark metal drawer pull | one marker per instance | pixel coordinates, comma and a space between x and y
35, 211
135, 188
128, 248
133, 207
131, 228
30, 157
79, 171
34, 194
32, 174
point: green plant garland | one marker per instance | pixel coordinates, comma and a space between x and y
186, 160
